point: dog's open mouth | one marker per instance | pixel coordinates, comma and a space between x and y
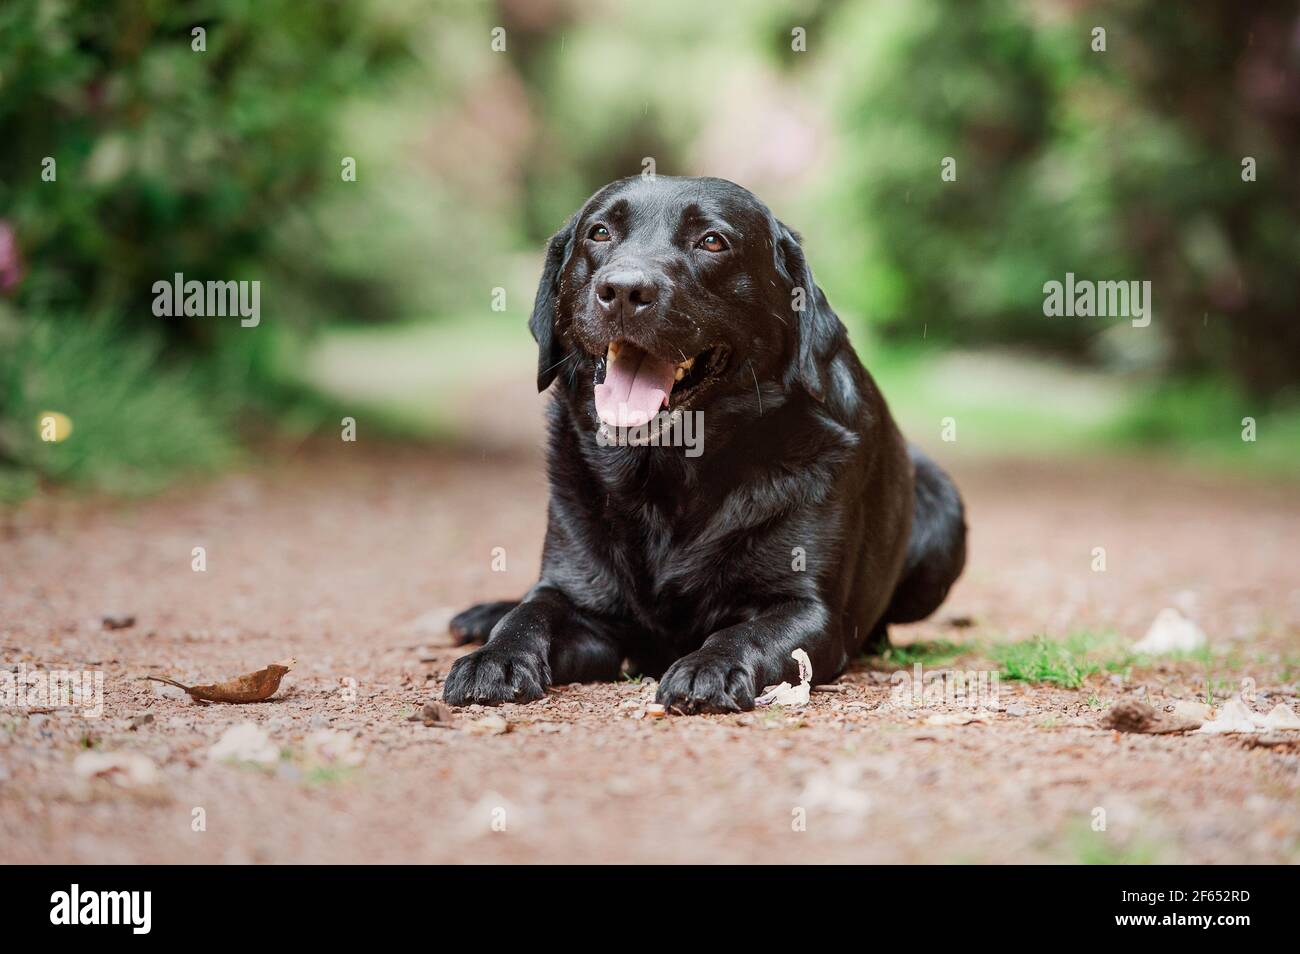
633, 385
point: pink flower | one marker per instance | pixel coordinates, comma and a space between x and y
12, 271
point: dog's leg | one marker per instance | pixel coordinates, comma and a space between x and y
936, 549
475, 624
736, 663
541, 640
581, 655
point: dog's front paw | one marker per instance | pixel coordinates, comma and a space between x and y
706, 682
488, 676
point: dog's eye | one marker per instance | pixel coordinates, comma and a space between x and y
599, 233
713, 242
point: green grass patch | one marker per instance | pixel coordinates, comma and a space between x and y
1066, 663
136, 424
138, 416
1040, 660
938, 652
1069, 662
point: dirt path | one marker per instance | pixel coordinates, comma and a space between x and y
350, 559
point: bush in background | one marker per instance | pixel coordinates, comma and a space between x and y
1122, 165
169, 159
214, 163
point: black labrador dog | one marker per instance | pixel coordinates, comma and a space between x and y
802, 520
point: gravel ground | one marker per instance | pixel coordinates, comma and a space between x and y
351, 559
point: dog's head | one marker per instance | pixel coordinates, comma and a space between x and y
670, 292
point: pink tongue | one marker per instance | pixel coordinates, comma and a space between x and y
636, 386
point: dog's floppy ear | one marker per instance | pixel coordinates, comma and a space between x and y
542, 322
818, 331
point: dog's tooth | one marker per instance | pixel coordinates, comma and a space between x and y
681, 373
687, 364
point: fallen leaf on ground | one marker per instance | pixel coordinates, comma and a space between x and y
1233, 717
245, 742
1133, 716
125, 769
488, 725
1171, 632
118, 620
786, 694
437, 714
252, 687
1281, 718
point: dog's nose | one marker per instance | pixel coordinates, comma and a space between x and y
628, 292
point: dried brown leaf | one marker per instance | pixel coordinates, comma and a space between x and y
251, 687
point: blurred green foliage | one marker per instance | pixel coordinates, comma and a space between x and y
224, 164
134, 425
1117, 164
172, 159
142, 138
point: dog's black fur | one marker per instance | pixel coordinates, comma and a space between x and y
687, 568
